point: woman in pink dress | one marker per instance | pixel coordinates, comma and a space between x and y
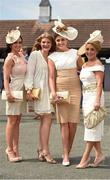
14, 74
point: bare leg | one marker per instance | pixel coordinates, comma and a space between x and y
65, 141
40, 135
16, 136
88, 148
44, 138
72, 132
98, 151
45, 132
11, 123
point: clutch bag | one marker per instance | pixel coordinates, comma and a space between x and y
94, 118
36, 92
18, 95
64, 95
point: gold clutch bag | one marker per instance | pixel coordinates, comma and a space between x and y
65, 97
36, 92
18, 95
94, 118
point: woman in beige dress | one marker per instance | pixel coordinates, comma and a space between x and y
63, 63
37, 77
14, 72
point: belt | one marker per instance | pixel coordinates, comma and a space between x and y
89, 88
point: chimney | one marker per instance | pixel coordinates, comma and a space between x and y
45, 11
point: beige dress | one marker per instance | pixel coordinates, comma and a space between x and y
17, 83
67, 80
37, 77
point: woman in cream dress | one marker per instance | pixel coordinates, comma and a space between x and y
37, 77
64, 63
14, 71
91, 75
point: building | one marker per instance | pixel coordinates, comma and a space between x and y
31, 29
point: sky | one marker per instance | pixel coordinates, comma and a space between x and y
65, 9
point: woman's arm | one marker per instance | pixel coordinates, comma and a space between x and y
52, 78
80, 62
99, 80
30, 73
6, 73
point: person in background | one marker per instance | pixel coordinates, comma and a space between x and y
25, 52
14, 71
37, 77
92, 75
63, 65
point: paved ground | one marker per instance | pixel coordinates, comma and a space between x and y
31, 168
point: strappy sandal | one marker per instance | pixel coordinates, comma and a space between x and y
48, 158
40, 155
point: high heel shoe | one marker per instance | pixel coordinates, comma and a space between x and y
11, 156
48, 158
40, 155
83, 165
98, 161
19, 157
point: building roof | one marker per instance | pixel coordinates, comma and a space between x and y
44, 3
31, 29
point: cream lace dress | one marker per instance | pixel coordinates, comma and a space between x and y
88, 79
37, 77
17, 83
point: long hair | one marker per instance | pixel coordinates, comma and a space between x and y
37, 44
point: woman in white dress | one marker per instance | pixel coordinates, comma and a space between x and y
91, 75
14, 73
64, 63
37, 77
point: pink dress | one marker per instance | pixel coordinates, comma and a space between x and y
16, 83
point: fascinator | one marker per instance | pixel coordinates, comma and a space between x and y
69, 33
95, 36
12, 36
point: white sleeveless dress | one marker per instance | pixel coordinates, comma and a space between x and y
87, 77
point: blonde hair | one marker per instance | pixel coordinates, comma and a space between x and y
96, 45
37, 44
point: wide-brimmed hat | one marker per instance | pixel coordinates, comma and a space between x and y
69, 33
95, 36
12, 36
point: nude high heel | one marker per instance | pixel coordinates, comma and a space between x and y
48, 158
11, 156
98, 161
19, 157
83, 165
40, 155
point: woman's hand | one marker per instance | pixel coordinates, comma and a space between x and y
10, 98
29, 96
58, 99
96, 106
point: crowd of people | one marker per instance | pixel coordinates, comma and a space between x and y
53, 67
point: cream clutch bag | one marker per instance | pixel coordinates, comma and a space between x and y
36, 92
94, 118
18, 95
64, 95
